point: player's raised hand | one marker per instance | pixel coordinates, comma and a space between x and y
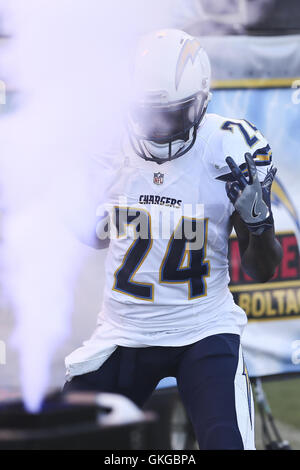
250, 198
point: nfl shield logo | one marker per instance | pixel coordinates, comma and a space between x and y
158, 178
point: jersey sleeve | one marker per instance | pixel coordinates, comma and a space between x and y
239, 137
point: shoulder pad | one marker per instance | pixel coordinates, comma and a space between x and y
239, 136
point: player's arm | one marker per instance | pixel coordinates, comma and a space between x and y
253, 221
87, 217
89, 224
95, 233
260, 255
94, 242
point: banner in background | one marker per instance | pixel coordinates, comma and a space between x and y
272, 338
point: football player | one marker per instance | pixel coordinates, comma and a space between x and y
185, 178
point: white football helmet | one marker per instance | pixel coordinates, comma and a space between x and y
171, 83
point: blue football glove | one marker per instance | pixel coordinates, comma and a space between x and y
250, 198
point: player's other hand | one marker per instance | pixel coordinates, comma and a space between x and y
251, 199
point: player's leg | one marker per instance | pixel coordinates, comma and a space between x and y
215, 390
123, 373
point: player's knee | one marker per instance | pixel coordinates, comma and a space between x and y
222, 436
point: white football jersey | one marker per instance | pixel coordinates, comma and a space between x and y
167, 268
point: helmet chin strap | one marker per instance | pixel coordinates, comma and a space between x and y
141, 149
162, 152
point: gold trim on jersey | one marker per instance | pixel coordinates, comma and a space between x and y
189, 260
264, 158
146, 284
236, 123
185, 262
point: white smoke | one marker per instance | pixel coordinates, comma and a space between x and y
68, 59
